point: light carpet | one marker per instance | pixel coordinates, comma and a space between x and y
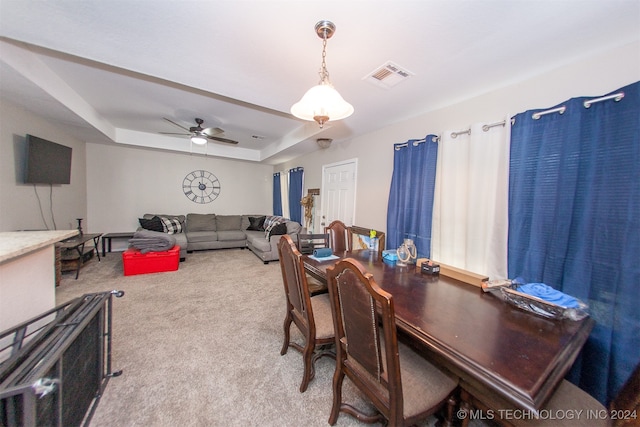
201, 347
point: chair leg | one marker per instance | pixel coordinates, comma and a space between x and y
338, 378
450, 407
287, 333
309, 369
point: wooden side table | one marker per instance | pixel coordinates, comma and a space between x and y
76, 253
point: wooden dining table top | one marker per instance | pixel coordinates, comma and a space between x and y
513, 358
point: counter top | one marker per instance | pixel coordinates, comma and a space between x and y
16, 243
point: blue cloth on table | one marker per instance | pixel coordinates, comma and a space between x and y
322, 252
325, 258
547, 293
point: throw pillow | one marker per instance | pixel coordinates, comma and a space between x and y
256, 223
171, 225
268, 225
278, 230
153, 224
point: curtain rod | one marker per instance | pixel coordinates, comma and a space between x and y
415, 143
492, 125
561, 110
455, 134
616, 97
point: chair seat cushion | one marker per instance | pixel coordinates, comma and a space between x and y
569, 398
321, 306
423, 384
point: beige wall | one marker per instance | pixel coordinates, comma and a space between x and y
19, 206
592, 76
126, 182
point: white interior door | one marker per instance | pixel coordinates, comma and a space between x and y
338, 193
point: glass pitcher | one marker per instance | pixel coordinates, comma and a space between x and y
407, 253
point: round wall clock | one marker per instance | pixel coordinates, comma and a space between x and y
201, 186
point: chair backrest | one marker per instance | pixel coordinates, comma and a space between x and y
368, 343
295, 284
358, 236
306, 243
338, 235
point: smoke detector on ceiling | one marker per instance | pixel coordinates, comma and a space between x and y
388, 75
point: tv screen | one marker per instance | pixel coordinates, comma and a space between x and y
47, 162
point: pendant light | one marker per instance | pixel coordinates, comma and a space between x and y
322, 102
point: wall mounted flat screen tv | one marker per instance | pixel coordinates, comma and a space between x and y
47, 162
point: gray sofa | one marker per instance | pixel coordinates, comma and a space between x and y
195, 232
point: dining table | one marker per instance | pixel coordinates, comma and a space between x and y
506, 358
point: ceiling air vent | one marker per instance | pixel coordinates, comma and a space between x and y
388, 75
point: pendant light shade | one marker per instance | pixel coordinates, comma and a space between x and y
322, 102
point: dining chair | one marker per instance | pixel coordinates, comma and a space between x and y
338, 235
310, 314
572, 406
307, 242
356, 242
403, 385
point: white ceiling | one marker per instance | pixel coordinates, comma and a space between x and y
111, 70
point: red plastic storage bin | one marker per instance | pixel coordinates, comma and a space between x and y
135, 262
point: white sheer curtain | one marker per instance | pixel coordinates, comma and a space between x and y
470, 212
284, 190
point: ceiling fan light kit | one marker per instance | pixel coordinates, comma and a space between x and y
322, 103
199, 139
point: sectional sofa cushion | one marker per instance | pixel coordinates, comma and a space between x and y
201, 222
231, 235
201, 236
255, 239
228, 222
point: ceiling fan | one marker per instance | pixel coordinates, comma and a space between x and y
200, 135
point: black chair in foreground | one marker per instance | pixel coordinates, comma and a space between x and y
402, 385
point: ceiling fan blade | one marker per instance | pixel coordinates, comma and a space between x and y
172, 133
212, 131
176, 124
225, 140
